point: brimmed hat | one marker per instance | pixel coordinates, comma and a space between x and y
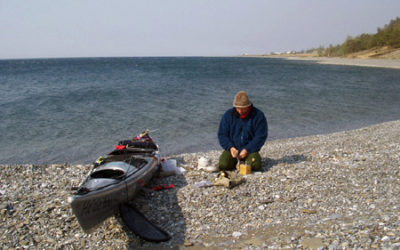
241, 100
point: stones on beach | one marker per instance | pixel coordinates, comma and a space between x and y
10, 208
309, 211
335, 191
188, 244
236, 234
312, 243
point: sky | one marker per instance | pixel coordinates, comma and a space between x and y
128, 28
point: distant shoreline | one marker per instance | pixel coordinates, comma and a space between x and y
378, 63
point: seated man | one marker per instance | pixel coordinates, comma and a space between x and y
242, 132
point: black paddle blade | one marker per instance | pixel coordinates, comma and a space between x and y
136, 222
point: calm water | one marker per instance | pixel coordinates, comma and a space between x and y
74, 110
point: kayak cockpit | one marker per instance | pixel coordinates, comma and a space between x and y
114, 170
110, 173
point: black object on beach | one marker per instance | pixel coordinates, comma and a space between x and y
112, 181
142, 227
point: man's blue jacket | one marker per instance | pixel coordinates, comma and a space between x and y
249, 133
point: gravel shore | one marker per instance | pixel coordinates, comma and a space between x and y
334, 191
363, 62
380, 63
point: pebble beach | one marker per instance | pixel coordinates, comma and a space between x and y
392, 63
380, 63
332, 191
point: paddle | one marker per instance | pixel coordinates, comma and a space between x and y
142, 227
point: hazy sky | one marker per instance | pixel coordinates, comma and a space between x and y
95, 28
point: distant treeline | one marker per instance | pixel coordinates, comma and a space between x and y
389, 36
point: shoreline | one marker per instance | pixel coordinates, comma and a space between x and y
376, 63
337, 190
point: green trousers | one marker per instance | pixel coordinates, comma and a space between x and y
227, 162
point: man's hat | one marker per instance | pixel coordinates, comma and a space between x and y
241, 100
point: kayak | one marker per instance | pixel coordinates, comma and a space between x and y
114, 181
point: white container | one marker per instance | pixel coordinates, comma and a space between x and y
204, 163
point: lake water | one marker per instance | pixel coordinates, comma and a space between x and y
74, 110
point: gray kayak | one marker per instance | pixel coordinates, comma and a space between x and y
110, 185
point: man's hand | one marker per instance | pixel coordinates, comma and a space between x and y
243, 154
234, 152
